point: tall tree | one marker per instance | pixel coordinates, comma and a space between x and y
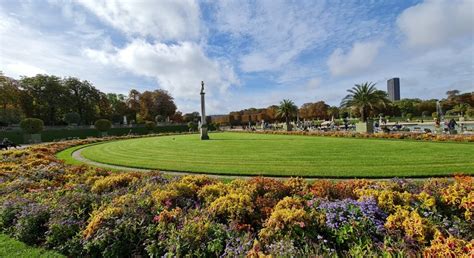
271, 113
44, 97
83, 99
133, 102
364, 97
158, 103
164, 103
10, 111
287, 109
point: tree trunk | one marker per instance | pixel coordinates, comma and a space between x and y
287, 123
362, 114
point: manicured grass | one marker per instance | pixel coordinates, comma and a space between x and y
13, 248
284, 155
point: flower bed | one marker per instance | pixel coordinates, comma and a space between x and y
396, 136
85, 211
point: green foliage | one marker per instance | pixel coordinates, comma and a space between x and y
192, 126
10, 116
150, 125
103, 125
55, 135
287, 109
31, 223
72, 118
365, 98
32, 125
470, 112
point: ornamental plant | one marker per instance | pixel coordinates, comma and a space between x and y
32, 125
82, 211
103, 125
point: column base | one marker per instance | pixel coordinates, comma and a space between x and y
204, 135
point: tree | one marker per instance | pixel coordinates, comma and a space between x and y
271, 113
452, 93
314, 110
72, 118
44, 97
365, 97
82, 98
133, 103
119, 106
191, 117
10, 112
9, 92
287, 109
461, 109
333, 111
177, 117
163, 103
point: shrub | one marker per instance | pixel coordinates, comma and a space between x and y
9, 212
31, 224
72, 118
113, 182
232, 207
149, 125
288, 219
196, 235
32, 125
192, 126
103, 125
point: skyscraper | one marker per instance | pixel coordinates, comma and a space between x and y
393, 89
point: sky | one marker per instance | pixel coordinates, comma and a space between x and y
248, 53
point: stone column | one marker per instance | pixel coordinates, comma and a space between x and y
204, 135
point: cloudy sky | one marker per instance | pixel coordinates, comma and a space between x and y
249, 53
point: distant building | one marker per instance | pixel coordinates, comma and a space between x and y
393, 89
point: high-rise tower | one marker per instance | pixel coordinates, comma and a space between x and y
393, 89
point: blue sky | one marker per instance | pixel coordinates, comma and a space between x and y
249, 53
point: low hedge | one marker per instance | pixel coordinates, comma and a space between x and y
55, 135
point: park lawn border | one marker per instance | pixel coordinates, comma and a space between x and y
67, 156
10, 247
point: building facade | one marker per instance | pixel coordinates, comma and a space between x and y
393, 89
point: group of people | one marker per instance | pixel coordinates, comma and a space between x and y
6, 143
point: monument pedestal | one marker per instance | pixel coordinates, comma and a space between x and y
204, 135
204, 128
365, 127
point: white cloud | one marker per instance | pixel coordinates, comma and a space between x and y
178, 68
279, 31
26, 50
313, 83
358, 59
437, 22
163, 20
21, 69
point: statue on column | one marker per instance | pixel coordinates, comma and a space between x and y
204, 135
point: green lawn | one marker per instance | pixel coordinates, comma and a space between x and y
282, 155
13, 248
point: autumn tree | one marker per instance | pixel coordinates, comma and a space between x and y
82, 99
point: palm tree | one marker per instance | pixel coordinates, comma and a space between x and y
287, 109
365, 97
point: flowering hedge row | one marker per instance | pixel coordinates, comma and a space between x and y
85, 211
398, 136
